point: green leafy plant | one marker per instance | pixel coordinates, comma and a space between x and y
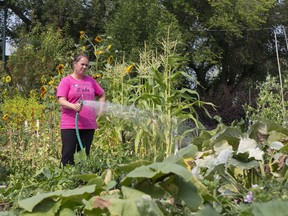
268, 103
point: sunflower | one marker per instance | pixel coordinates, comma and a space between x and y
98, 52
110, 59
129, 68
60, 68
5, 117
43, 89
98, 39
7, 79
109, 46
81, 34
51, 82
42, 95
83, 48
96, 76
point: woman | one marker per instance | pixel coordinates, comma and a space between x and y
73, 89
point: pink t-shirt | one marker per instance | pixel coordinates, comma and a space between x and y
74, 91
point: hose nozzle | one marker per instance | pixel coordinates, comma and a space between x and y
81, 103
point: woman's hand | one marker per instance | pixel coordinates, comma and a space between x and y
77, 107
63, 102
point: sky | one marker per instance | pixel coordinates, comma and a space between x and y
8, 48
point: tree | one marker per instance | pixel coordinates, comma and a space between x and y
37, 56
137, 22
227, 44
71, 16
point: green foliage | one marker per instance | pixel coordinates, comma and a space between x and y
213, 175
42, 174
268, 103
37, 55
20, 117
233, 15
136, 23
168, 177
172, 105
226, 167
241, 162
147, 106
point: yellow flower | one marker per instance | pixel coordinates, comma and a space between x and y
110, 59
7, 79
5, 117
129, 68
98, 39
83, 48
98, 52
189, 163
96, 76
109, 46
51, 82
60, 68
81, 34
42, 95
43, 89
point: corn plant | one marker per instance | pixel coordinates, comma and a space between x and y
158, 89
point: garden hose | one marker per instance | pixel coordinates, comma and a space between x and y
77, 129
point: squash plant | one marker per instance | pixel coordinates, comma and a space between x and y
215, 174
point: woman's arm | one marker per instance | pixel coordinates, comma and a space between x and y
64, 103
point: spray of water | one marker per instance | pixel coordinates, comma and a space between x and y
137, 116
130, 113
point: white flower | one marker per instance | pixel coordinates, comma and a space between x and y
249, 197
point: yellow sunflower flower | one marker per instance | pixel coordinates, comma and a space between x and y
5, 117
51, 82
81, 34
7, 79
43, 89
110, 59
98, 39
60, 68
109, 46
129, 68
96, 76
42, 95
98, 52
83, 48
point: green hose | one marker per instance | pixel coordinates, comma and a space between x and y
77, 129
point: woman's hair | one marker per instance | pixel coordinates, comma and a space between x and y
79, 56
